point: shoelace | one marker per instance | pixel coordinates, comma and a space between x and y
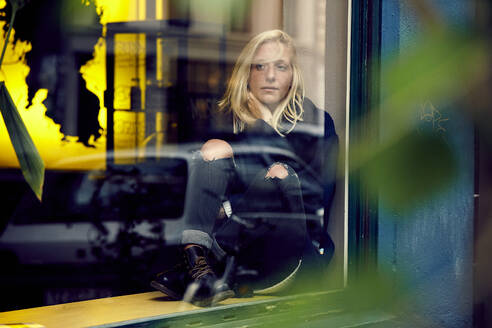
200, 268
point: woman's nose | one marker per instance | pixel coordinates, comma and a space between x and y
270, 73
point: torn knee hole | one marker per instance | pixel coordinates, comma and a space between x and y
216, 149
277, 170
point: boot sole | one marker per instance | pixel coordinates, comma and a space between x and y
211, 301
165, 290
219, 297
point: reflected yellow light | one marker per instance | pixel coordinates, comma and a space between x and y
52, 146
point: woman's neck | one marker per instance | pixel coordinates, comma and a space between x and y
260, 110
266, 114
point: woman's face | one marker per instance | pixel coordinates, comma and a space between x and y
271, 74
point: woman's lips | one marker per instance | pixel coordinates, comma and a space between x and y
269, 89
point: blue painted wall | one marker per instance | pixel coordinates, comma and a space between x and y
431, 247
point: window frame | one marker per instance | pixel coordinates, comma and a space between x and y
364, 55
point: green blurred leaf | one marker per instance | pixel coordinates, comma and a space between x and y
395, 160
409, 166
411, 169
442, 67
31, 164
372, 290
181, 8
78, 14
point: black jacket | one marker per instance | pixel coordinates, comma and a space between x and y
316, 158
315, 152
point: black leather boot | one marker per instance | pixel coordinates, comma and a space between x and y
193, 281
172, 282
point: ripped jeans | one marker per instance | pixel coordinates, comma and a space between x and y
267, 231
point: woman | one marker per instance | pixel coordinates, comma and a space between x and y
265, 232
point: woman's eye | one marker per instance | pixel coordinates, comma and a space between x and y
259, 67
282, 67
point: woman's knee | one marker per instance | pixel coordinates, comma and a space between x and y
278, 170
216, 149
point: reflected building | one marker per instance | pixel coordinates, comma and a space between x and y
157, 75
166, 71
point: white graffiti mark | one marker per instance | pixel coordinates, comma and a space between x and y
428, 113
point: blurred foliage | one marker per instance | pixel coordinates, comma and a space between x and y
80, 14
416, 166
443, 66
404, 152
229, 12
402, 163
369, 290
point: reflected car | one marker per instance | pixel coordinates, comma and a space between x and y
106, 231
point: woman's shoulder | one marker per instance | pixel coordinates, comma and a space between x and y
310, 108
308, 105
312, 114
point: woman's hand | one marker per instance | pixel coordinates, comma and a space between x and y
258, 108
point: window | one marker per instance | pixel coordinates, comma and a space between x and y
157, 73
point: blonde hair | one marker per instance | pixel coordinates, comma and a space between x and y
236, 96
